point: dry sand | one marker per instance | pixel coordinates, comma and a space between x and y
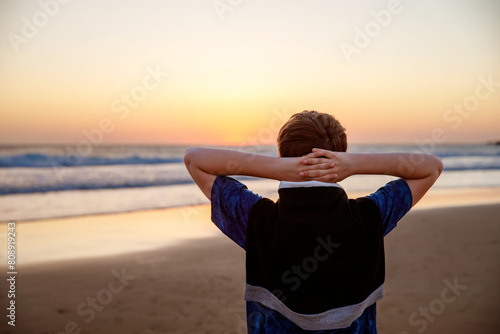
194, 283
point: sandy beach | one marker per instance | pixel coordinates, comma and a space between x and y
171, 271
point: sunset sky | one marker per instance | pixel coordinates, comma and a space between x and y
232, 71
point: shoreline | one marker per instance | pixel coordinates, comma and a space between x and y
440, 196
92, 236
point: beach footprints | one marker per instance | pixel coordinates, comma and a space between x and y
207, 281
153, 261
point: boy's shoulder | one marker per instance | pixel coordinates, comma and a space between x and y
394, 200
231, 204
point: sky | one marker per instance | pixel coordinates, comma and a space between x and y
231, 72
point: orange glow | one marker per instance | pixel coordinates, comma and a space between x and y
226, 78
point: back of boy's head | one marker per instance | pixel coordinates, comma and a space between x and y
311, 129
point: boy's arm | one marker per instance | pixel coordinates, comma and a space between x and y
205, 164
420, 171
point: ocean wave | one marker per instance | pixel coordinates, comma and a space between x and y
38, 160
476, 162
34, 180
86, 186
482, 159
32, 171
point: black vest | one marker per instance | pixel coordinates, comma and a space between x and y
315, 249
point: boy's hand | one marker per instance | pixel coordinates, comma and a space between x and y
296, 169
341, 166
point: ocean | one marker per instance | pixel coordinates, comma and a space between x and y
49, 181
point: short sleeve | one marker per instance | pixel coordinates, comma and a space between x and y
231, 206
394, 201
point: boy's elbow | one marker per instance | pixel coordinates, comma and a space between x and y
189, 156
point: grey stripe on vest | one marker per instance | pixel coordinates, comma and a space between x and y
340, 317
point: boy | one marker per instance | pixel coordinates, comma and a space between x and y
314, 259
